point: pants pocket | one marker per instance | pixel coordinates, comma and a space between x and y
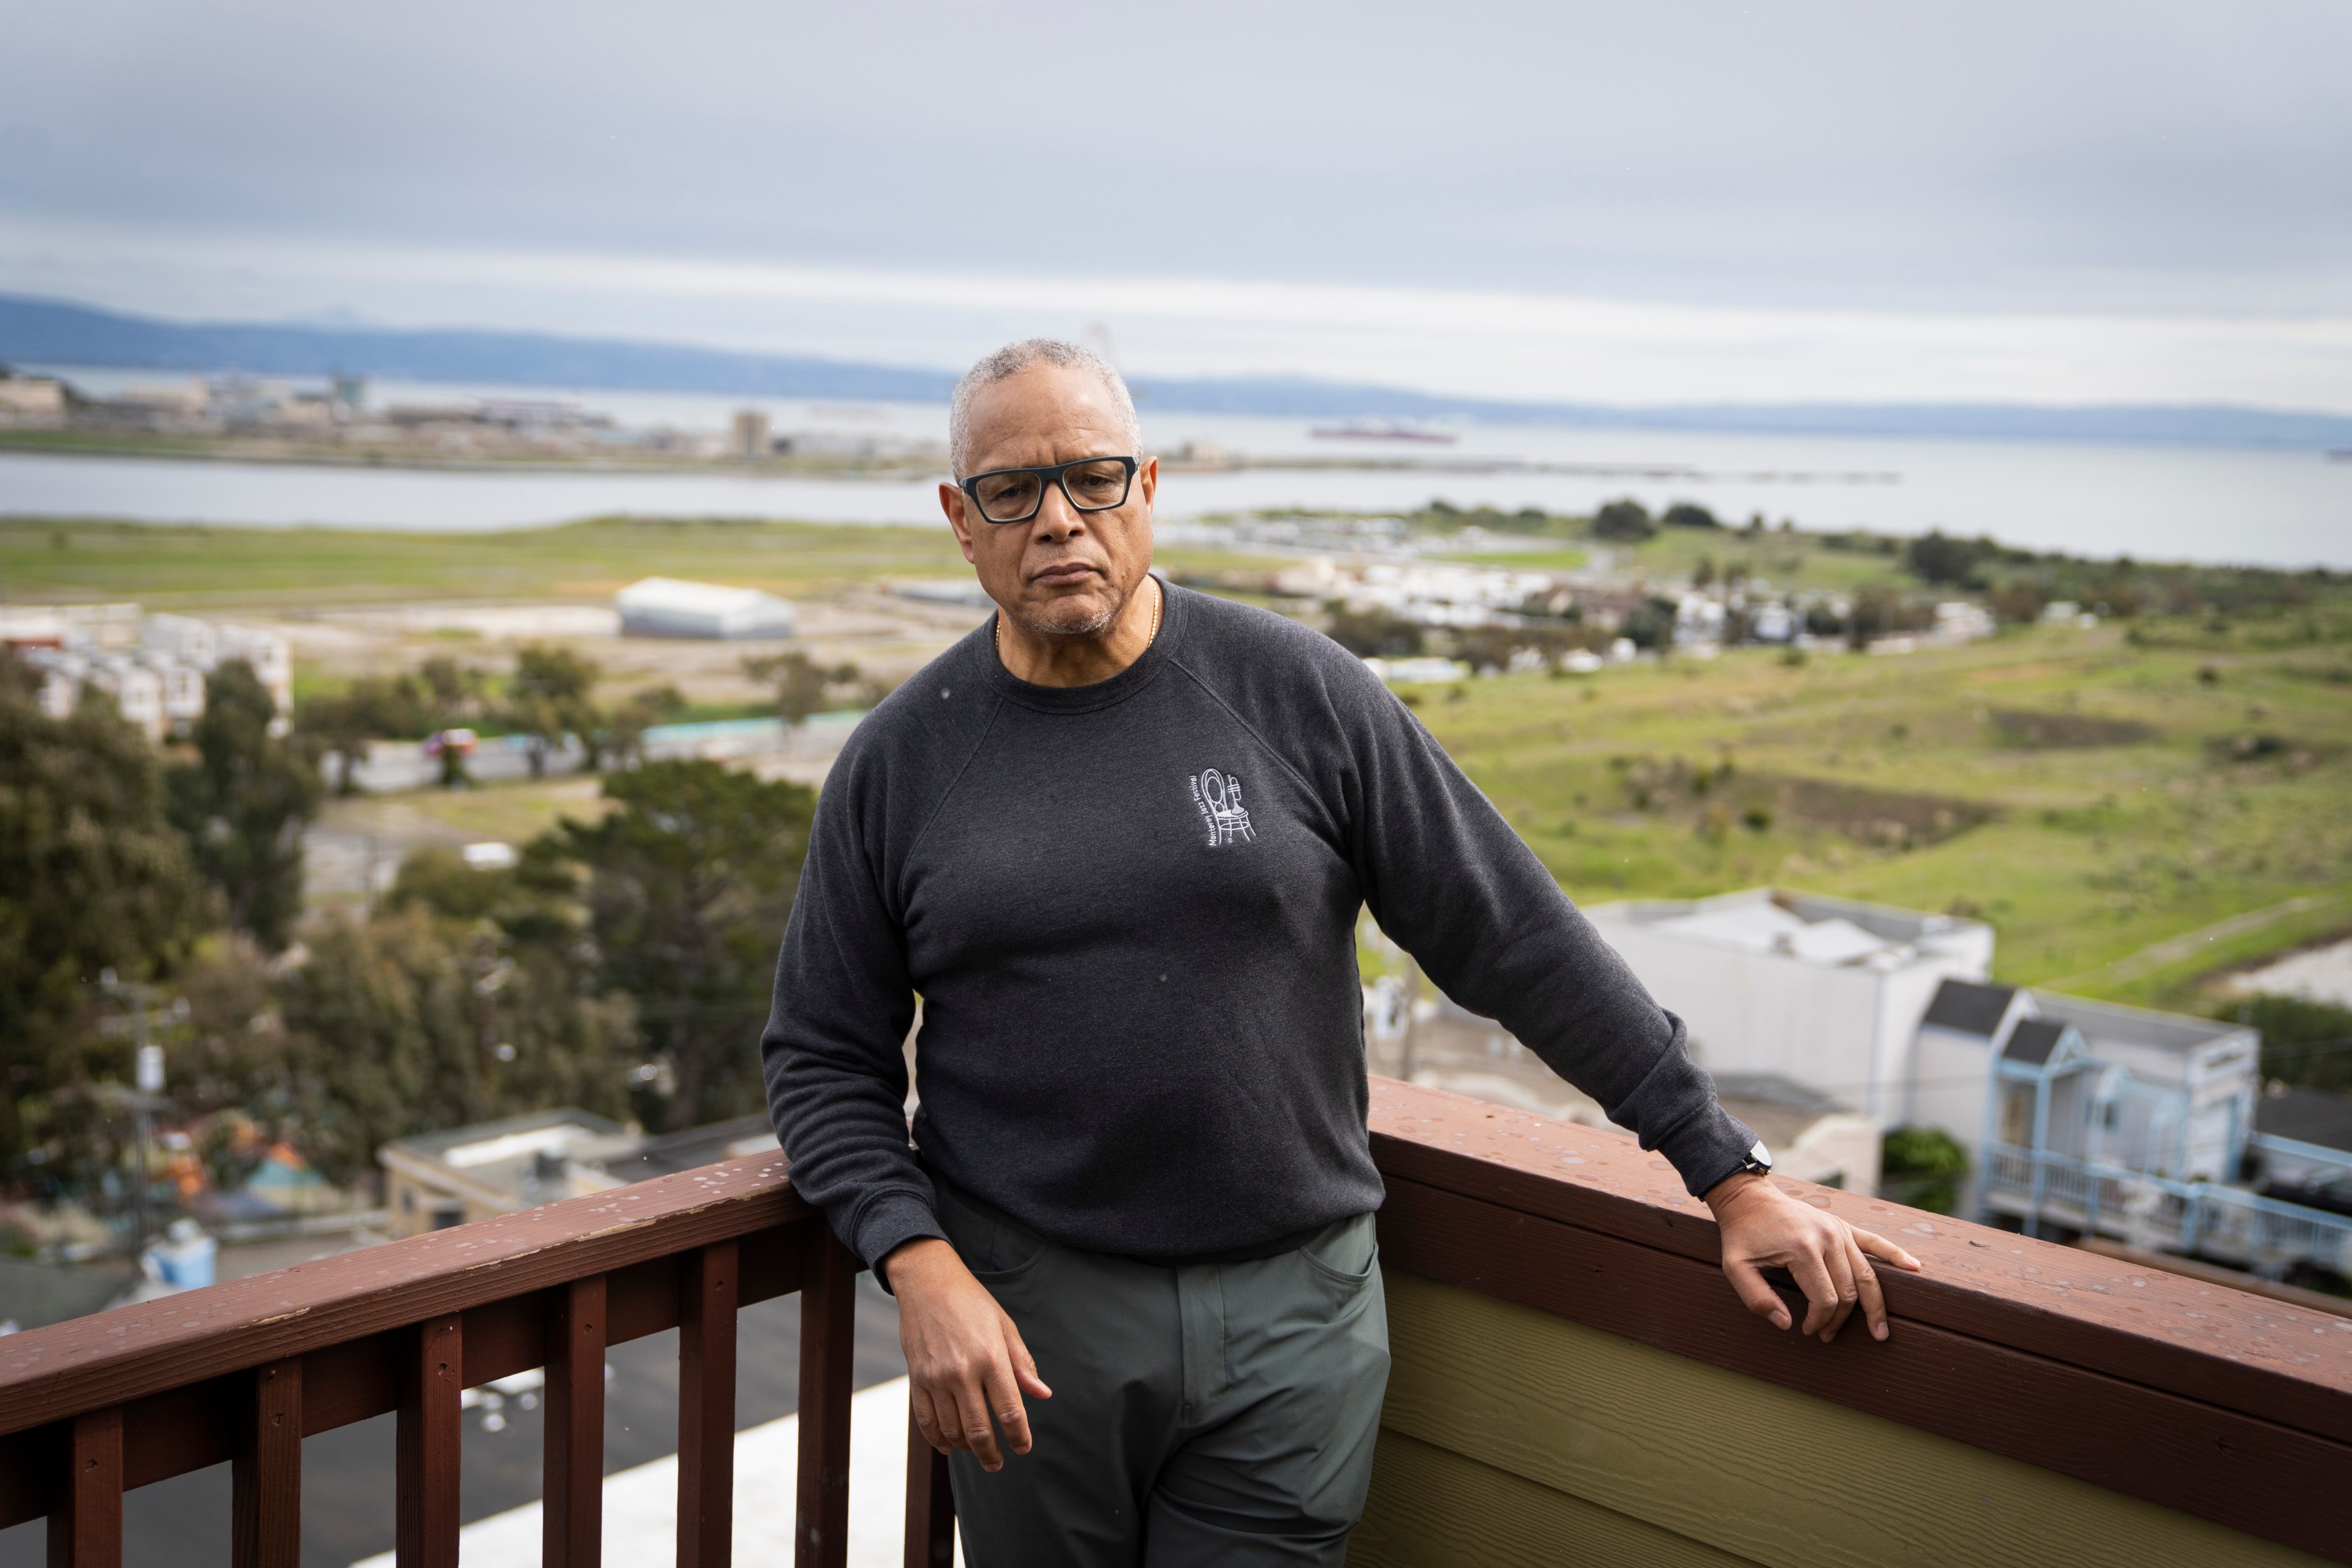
995, 1249
1346, 1256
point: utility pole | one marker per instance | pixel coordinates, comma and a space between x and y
146, 1010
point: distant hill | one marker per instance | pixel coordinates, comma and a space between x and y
52, 332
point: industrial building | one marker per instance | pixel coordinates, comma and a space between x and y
665, 608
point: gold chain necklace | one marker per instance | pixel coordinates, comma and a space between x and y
1158, 597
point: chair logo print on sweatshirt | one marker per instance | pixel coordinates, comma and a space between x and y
1219, 796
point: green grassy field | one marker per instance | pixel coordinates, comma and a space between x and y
2131, 808
2091, 798
193, 567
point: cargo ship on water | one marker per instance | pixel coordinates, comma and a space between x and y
1385, 430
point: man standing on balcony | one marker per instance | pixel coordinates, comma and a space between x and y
1117, 839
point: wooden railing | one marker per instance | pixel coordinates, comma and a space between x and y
2053, 1405
2163, 1418
243, 1372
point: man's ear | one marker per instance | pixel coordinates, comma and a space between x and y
952, 501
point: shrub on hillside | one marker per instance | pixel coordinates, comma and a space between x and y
1625, 521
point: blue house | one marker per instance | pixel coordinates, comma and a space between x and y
2095, 1118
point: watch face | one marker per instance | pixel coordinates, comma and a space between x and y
1759, 1157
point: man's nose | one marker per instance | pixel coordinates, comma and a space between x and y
1056, 519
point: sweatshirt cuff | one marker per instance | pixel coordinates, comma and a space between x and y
890, 1221
1707, 1148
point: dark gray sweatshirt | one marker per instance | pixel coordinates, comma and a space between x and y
1129, 909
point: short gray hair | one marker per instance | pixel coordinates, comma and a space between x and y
1012, 360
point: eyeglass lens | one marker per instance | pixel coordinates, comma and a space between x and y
1015, 497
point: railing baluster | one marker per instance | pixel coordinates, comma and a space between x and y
706, 1407
431, 1443
828, 1338
573, 1511
930, 1504
86, 1521
266, 1475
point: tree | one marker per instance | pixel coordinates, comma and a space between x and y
549, 698
92, 877
1880, 612
2306, 1042
455, 694
243, 804
2015, 602
469, 995
373, 708
1650, 626
801, 683
689, 880
618, 736
1687, 514
1373, 632
1627, 521
1936, 558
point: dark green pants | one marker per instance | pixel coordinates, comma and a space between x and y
1218, 1413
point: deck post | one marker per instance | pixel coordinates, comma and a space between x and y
828, 1340
86, 1520
431, 1443
930, 1504
708, 1290
571, 1513
266, 1475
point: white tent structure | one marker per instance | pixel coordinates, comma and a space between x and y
665, 608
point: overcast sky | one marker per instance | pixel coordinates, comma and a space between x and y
2049, 202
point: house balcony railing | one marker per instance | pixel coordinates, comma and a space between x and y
2158, 1213
1572, 1381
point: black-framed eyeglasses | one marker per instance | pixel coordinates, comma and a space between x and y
1089, 484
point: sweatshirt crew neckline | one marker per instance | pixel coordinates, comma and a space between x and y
1098, 694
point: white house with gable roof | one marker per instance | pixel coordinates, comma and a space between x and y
1827, 993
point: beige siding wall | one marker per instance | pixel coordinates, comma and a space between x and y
1515, 1438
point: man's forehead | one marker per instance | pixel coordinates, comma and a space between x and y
1044, 404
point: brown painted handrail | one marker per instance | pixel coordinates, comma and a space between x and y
109, 1358
2210, 1400
2206, 1399
244, 1371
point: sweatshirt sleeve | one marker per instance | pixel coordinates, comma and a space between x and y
832, 1052
1451, 883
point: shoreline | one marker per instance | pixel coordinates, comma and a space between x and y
905, 472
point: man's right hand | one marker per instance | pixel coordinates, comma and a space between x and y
963, 1355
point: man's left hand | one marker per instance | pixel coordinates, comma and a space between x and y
1764, 1227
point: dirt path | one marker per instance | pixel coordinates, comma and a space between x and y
2174, 949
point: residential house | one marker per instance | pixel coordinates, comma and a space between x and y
1827, 993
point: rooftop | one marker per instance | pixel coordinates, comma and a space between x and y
1966, 1008
2112, 1022
1832, 933
2034, 1040
2305, 1115
566, 1131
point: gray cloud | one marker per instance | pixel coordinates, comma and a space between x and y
2000, 156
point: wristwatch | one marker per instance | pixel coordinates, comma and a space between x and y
1757, 1159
